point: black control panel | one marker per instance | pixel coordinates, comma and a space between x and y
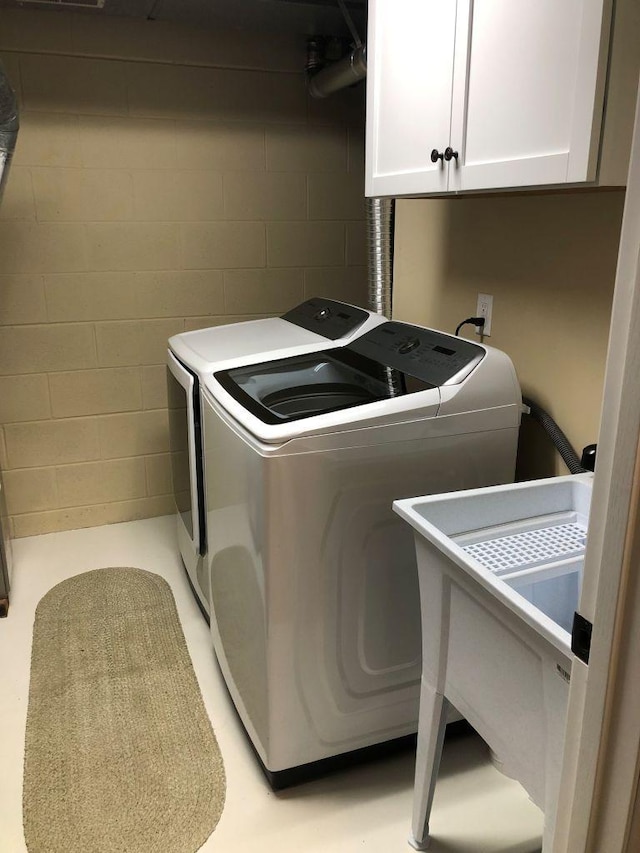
428, 355
325, 317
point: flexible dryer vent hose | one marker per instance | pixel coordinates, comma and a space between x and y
380, 227
560, 440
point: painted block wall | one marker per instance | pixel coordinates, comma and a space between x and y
165, 179
549, 260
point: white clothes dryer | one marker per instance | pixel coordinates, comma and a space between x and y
315, 613
315, 324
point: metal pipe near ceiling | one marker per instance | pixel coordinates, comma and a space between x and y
324, 81
380, 212
338, 75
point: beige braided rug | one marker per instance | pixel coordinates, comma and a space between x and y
119, 754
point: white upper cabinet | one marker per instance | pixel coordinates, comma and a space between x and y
495, 94
411, 80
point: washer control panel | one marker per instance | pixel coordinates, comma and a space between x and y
330, 319
434, 357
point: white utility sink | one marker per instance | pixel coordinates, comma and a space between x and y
500, 572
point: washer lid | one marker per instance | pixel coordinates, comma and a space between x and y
302, 386
410, 374
390, 361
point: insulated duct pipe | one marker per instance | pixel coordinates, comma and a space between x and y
8, 127
380, 224
345, 72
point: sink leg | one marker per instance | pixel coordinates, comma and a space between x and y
431, 728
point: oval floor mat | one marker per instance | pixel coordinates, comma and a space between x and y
119, 754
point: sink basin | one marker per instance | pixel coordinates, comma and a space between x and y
500, 573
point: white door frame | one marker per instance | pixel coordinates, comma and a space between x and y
597, 803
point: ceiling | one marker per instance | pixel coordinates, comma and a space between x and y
307, 17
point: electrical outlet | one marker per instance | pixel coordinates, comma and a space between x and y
484, 309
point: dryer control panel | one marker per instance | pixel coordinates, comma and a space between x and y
433, 357
325, 317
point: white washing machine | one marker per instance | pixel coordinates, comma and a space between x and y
314, 325
315, 613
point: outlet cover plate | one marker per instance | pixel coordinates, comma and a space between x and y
484, 309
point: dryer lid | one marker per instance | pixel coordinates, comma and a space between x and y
326, 317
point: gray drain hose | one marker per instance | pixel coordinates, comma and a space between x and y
560, 440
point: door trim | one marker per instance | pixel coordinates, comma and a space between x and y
596, 800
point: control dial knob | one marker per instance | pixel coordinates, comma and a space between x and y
408, 345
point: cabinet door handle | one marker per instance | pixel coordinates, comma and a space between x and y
436, 155
449, 154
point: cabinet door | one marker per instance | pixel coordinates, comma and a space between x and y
527, 94
410, 67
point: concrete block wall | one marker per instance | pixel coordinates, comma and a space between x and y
165, 179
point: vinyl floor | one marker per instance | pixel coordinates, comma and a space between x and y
365, 808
